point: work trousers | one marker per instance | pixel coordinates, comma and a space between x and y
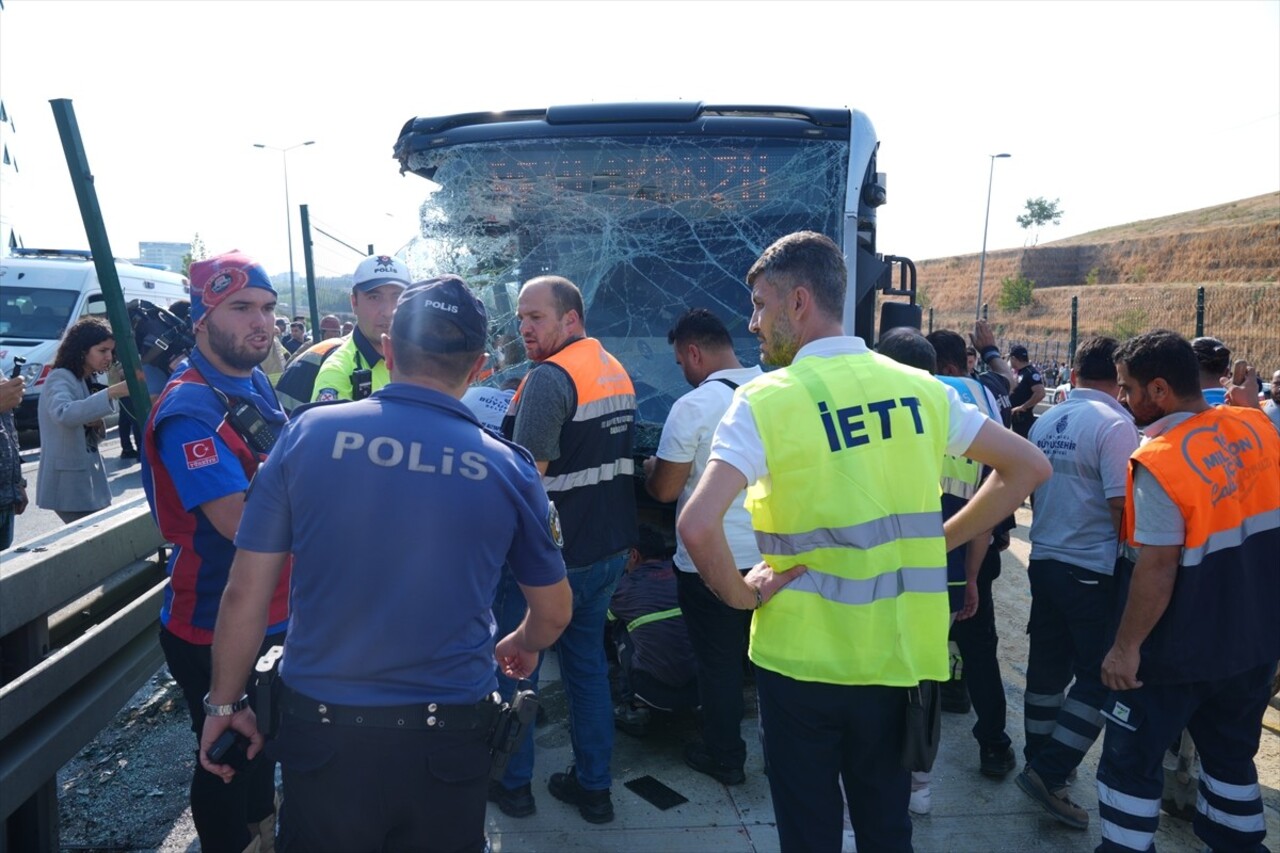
1224, 717
350, 789
221, 811
1072, 613
584, 671
817, 736
718, 634
645, 687
977, 640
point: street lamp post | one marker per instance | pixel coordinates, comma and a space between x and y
288, 215
982, 264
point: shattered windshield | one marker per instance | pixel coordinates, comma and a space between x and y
646, 227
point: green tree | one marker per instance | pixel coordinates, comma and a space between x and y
1015, 293
1040, 212
198, 253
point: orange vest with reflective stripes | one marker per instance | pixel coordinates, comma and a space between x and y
1221, 468
592, 481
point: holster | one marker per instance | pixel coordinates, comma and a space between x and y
266, 705
513, 720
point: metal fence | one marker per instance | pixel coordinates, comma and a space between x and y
1246, 317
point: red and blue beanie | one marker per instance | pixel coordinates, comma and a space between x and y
216, 278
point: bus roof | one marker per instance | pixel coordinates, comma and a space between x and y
421, 135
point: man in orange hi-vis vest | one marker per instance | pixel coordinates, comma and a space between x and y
575, 413
1198, 641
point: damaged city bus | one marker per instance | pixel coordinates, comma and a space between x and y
650, 209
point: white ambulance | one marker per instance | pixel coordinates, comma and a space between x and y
44, 291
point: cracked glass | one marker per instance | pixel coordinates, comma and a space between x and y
646, 227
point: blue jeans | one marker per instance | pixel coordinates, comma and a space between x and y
583, 670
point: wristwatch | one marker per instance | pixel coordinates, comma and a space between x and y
225, 710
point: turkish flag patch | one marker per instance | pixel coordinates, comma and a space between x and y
200, 453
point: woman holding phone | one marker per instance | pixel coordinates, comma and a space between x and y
71, 480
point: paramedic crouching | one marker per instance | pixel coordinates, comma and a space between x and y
387, 673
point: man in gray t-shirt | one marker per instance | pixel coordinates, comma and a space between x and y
1075, 534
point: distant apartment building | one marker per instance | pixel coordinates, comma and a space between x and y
169, 254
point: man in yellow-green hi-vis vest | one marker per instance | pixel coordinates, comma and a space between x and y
841, 453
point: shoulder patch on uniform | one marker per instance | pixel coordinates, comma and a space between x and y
553, 524
200, 453
327, 395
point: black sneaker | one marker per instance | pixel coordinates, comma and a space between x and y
697, 757
955, 697
513, 802
594, 806
996, 762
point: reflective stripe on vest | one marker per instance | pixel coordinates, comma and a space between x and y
854, 448
868, 534
961, 476
591, 476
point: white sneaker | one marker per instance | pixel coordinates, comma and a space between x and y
921, 801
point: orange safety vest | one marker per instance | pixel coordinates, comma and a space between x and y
1221, 468
591, 482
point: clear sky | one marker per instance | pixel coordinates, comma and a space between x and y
1123, 110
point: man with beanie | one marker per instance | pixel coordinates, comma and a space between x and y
210, 429
386, 687
356, 369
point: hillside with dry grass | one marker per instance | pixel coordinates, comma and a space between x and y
1128, 279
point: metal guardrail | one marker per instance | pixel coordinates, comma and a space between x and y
78, 636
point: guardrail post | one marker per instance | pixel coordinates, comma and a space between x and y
1200, 311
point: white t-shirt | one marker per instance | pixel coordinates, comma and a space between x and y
686, 437
737, 441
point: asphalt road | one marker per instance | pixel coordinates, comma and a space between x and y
124, 475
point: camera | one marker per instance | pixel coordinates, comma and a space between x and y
160, 334
361, 383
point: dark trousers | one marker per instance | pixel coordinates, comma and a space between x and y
350, 790
977, 641
1070, 630
818, 735
222, 811
1023, 422
1225, 720
645, 687
718, 634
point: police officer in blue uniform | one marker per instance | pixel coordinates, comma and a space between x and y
388, 670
